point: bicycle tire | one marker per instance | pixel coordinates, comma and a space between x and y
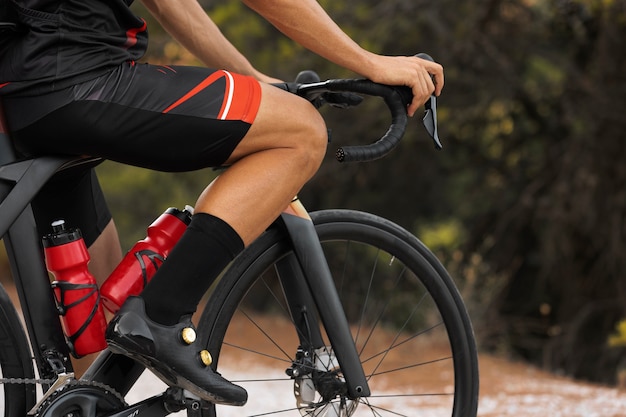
15, 362
439, 348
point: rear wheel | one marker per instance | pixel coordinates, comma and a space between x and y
15, 362
408, 322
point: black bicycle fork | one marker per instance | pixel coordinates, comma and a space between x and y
318, 286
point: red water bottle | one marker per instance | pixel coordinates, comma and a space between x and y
142, 261
75, 290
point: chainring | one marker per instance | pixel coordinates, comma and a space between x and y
81, 399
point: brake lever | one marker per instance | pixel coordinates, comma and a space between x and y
430, 120
430, 112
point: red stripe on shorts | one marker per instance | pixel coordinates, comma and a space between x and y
205, 83
242, 96
246, 99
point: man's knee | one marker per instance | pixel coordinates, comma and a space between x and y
314, 139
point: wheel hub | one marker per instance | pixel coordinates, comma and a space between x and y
321, 392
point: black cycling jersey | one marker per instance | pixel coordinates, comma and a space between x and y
69, 84
62, 42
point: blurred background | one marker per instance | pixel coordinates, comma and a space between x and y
526, 203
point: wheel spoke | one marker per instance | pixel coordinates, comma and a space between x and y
366, 300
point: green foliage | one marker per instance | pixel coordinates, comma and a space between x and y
447, 235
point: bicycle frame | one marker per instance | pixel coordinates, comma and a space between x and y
17, 226
306, 280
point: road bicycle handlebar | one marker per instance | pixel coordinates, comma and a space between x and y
396, 98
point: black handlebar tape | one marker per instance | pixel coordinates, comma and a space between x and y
396, 100
385, 144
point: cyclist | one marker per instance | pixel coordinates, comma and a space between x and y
70, 83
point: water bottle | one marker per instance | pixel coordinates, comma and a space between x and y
75, 290
146, 256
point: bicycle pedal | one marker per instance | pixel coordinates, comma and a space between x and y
177, 399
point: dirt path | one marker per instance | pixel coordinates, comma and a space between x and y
507, 390
518, 390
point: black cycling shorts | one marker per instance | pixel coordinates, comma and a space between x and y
166, 118
157, 117
75, 196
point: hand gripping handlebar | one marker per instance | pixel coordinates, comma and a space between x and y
343, 93
396, 99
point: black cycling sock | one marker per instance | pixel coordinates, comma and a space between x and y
204, 250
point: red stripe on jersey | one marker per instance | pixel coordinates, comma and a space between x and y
131, 35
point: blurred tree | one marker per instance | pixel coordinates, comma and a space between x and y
526, 204
544, 140
138, 196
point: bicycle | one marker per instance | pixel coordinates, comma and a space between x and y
364, 319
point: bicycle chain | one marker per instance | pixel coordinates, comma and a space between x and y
26, 381
70, 382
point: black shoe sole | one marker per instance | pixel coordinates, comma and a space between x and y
169, 376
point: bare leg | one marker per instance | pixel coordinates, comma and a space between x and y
282, 150
106, 254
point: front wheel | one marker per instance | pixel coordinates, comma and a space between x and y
408, 322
